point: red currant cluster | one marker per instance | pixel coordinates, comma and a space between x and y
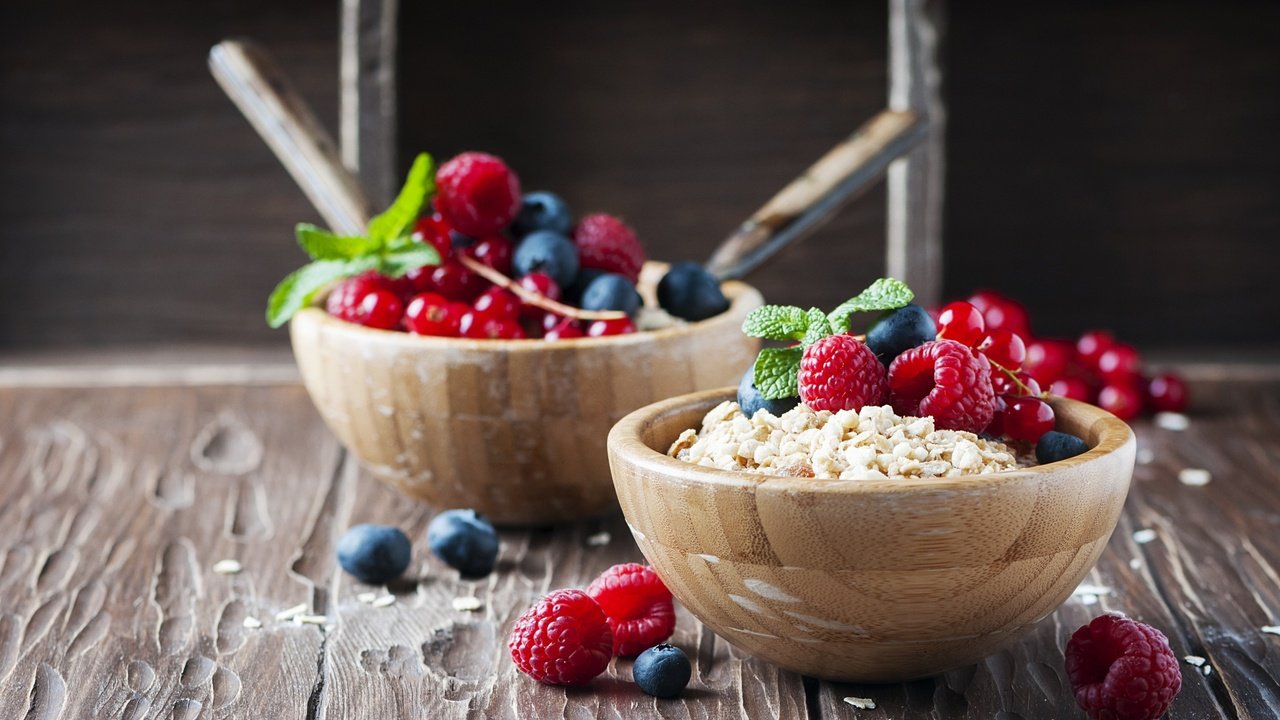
1094, 369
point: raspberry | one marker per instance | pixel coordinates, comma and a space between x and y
563, 639
839, 372
638, 605
606, 243
477, 193
1121, 669
946, 380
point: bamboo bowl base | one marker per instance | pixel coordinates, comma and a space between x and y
880, 581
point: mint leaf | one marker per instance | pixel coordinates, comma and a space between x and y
321, 244
300, 286
398, 219
883, 294
819, 327
777, 372
776, 322
398, 263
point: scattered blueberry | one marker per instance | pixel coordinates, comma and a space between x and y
465, 540
573, 293
688, 291
374, 554
542, 211
662, 671
611, 291
901, 329
550, 252
1054, 446
750, 399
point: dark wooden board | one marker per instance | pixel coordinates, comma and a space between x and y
115, 502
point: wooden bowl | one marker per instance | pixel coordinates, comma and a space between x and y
869, 581
515, 429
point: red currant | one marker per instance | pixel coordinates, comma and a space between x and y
1002, 384
1166, 393
1001, 313
499, 303
961, 322
1122, 400
344, 301
434, 229
567, 329
602, 328
996, 428
381, 309
1072, 387
1047, 359
541, 283
1090, 347
1119, 364
1003, 348
455, 282
432, 314
482, 326
494, 251
420, 279
1027, 418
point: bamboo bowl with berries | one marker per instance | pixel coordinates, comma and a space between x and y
869, 580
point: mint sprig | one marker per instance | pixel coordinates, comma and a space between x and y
387, 246
777, 369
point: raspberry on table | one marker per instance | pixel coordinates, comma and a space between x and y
839, 372
606, 243
563, 639
638, 605
1121, 669
947, 380
477, 193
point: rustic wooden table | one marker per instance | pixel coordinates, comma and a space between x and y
121, 487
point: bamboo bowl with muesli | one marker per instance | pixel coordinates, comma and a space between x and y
859, 565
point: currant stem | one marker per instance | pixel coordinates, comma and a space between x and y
1018, 381
536, 299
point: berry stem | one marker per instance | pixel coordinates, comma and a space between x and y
1017, 381
536, 299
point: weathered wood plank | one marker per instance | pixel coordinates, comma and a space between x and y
367, 122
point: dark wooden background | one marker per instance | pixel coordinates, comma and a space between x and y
1110, 163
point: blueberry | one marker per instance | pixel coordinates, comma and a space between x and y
899, 330
688, 291
374, 554
662, 671
573, 293
542, 211
611, 291
1054, 446
550, 252
465, 540
750, 399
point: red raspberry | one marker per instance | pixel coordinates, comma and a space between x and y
563, 639
839, 372
946, 380
477, 193
606, 243
638, 605
1121, 669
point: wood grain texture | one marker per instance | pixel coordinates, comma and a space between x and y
368, 80
865, 580
109, 528
517, 428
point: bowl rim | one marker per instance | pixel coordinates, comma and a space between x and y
625, 442
742, 299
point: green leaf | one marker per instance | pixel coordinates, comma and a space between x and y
300, 286
398, 263
776, 322
777, 372
819, 327
321, 244
884, 294
398, 219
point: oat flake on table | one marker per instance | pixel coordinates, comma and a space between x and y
1144, 536
861, 703
869, 444
1196, 477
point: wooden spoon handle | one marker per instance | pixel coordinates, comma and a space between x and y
284, 120
800, 207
